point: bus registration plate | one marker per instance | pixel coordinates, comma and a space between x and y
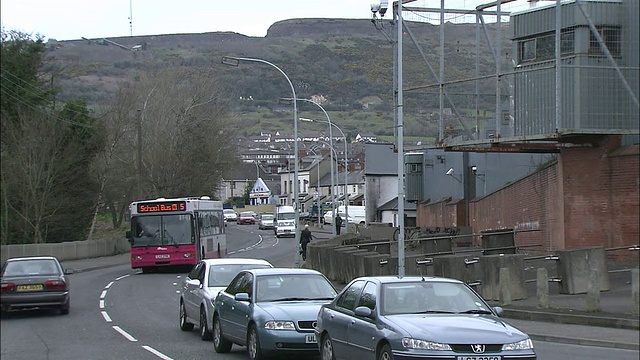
479, 357
311, 339
162, 256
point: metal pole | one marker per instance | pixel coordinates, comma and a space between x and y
139, 121
234, 61
401, 150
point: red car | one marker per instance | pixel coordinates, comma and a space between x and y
246, 217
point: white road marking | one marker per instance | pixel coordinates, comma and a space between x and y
122, 277
106, 316
104, 293
108, 285
124, 333
156, 352
101, 304
175, 284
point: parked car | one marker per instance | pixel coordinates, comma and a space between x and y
271, 311
229, 215
35, 282
266, 221
416, 318
201, 286
246, 217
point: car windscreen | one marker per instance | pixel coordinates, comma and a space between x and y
31, 267
221, 275
286, 216
294, 287
430, 297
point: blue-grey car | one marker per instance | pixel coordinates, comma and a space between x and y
416, 317
271, 311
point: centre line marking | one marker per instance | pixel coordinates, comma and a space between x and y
124, 333
156, 352
106, 316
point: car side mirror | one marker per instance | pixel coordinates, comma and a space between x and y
499, 311
364, 311
193, 282
242, 297
68, 271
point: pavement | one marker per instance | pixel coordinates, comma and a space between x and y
565, 321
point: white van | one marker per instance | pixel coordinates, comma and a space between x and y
356, 215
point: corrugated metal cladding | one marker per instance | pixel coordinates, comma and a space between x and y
413, 165
594, 98
543, 19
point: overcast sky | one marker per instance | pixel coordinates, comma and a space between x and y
73, 19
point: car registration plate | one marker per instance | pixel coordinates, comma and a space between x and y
479, 357
162, 256
32, 287
310, 339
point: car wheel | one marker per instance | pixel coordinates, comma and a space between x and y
64, 310
205, 334
326, 349
184, 324
385, 353
253, 344
220, 344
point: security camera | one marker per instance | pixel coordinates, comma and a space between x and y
450, 171
375, 8
384, 5
474, 168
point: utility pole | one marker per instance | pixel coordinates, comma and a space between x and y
139, 118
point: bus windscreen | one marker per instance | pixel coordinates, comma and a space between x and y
162, 230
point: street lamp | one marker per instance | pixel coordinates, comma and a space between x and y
346, 165
317, 183
287, 100
235, 61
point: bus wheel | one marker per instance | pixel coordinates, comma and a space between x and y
145, 270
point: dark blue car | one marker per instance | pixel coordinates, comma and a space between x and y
414, 317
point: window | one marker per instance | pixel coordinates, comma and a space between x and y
567, 42
611, 38
526, 50
348, 298
368, 297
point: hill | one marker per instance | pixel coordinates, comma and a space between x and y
348, 62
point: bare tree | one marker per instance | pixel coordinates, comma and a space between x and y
33, 163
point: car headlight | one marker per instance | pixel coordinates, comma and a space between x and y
410, 343
526, 344
279, 325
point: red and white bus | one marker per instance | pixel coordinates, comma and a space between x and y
175, 232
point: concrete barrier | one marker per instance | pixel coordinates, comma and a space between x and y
453, 266
64, 251
574, 266
491, 265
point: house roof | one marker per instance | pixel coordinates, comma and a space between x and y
393, 205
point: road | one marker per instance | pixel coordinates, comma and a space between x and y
119, 313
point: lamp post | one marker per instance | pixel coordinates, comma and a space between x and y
317, 183
235, 61
333, 207
332, 150
346, 166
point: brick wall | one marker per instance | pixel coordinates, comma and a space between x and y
589, 198
601, 196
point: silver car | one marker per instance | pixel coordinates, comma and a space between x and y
201, 286
386, 317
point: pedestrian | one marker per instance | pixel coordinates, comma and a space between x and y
305, 238
338, 224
